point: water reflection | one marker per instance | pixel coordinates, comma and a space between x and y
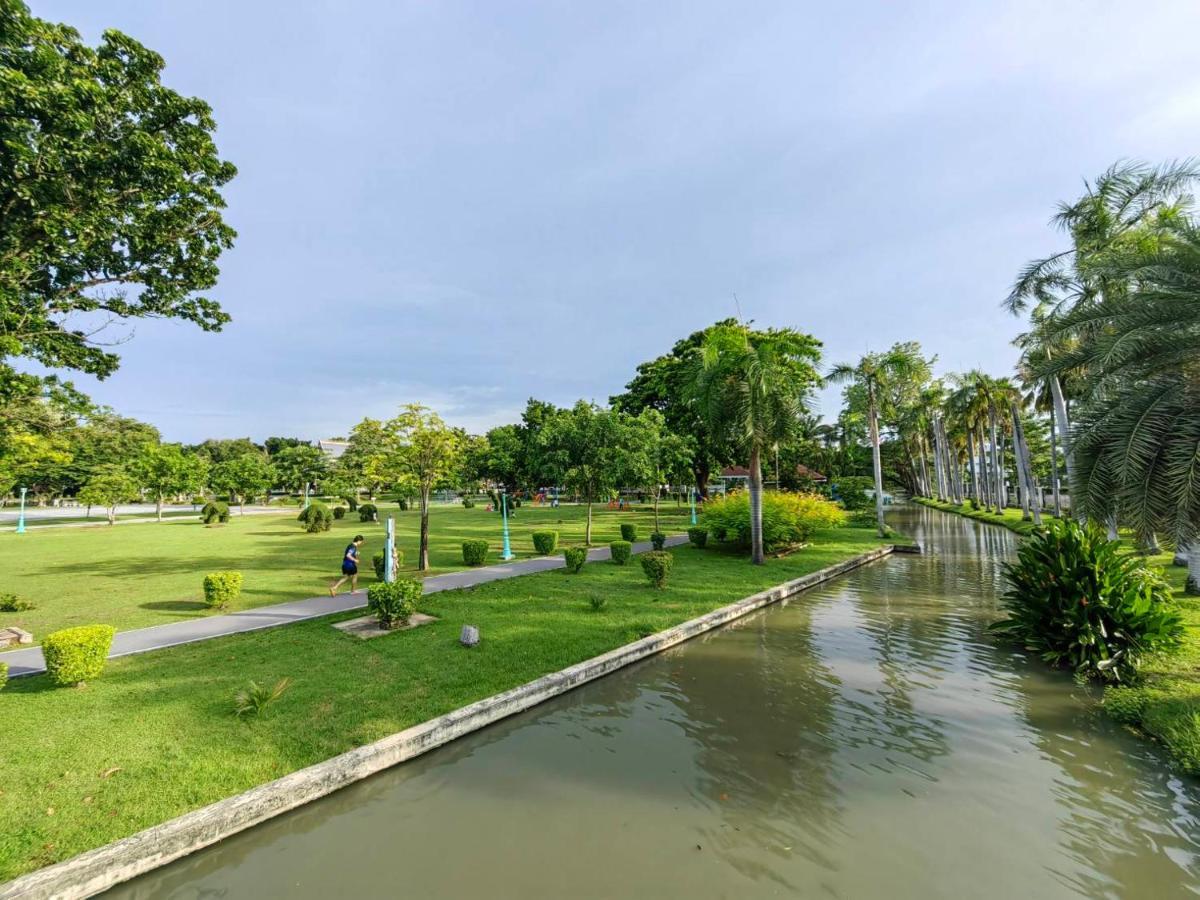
868, 739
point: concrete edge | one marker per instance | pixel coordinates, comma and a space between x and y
95, 871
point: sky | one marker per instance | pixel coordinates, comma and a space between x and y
469, 204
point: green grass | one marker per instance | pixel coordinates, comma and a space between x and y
131, 576
156, 736
1010, 518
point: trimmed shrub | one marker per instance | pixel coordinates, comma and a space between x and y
339, 512
628, 532
575, 557
351, 502
214, 512
1078, 601
369, 512
698, 537
77, 655
222, 588
316, 517
475, 552
787, 518
3, 675
468, 503
545, 542
377, 562
393, 603
403, 504
658, 540
13, 603
620, 551
657, 566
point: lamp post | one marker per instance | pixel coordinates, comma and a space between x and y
508, 554
692, 499
306, 495
21, 515
389, 550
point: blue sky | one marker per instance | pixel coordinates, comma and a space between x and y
468, 204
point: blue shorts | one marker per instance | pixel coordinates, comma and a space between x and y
349, 568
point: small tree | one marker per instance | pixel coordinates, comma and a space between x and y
107, 489
243, 476
166, 471
298, 466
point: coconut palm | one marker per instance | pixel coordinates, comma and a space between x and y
752, 388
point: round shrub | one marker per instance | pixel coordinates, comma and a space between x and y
3, 675
339, 512
1077, 601
13, 603
468, 503
394, 602
698, 537
77, 655
377, 562
214, 512
628, 532
787, 518
575, 557
222, 588
316, 517
658, 540
657, 566
620, 551
475, 552
545, 542
352, 502
369, 512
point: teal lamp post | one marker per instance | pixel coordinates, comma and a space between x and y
692, 498
21, 515
389, 550
306, 495
508, 554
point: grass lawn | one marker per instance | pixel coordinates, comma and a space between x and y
156, 735
1010, 518
131, 576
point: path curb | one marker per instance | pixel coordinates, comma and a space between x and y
97, 870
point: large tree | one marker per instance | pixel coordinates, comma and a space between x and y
298, 466
243, 477
165, 470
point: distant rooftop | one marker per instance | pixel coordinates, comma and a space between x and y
333, 449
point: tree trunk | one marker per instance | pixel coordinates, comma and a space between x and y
158, 505
656, 493
997, 475
1181, 554
937, 463
971, 463
873, 418
587, 535
112, 515
924, 466
756, 537
1025, 465
702, 472
1060, 414
1111, 527
1150, 545
423, 552
1193, 574
1054, 467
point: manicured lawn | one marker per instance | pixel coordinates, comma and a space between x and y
156, 735
132, 576
1010, 518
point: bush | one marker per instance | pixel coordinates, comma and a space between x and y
76, 655
369, 512
597, 602
575, 557
339, 512
394, 602
620, 551
351, 502
657, 566
545, 542
215, 511
468, 503
658, 540
475, 552
13, 603
3, 675
1076, 600
377, 562
256, 699
222, 588
852, 491
403, 504
316, 517
787, 518
628, 532
698, 537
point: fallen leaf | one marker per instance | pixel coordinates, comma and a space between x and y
113, 771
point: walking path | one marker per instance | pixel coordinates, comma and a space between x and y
98, 520
140, 640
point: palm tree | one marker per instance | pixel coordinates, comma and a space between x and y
751, 389
877, 376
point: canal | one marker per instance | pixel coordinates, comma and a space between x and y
867, 739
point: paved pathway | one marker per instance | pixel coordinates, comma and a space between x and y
98, 519
139, 640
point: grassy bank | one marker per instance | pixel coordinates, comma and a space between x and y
1010, 518
150, 574
156, 735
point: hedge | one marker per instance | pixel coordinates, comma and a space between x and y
77, 655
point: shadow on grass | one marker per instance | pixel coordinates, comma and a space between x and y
177, 605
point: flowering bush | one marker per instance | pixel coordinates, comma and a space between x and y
786, 518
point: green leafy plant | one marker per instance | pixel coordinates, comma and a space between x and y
629, 532
215, 512
575, 557
657, 566
787, 518
339, 512
77, 655
316, 517
475, 552
222, 588
13, 603
698, 537
257, 699
351, 502
369, 512
658, 540
377, 562
545, 542
597, 602
468, 503
403, 504
1074, 598
394, 602
620, 551
3, 675
851, 491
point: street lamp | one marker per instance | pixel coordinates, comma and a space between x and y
692, 498
389, 551
508, 554
21, 516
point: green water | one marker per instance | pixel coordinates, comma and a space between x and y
869, 739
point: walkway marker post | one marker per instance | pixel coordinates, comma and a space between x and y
692, 498
508, 554
389, 550
21, 516
306, 495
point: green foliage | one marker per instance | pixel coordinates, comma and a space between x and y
1078, 601
851, 491
787, 519
222, 588
215, 511
256, 700
369, 512
77, 655
107, 489
475, 552
339, 512
394, 602
658, 540
352, 502
316, 517
377, 562
657, 566
243, 477
620, 551
468, 503
165, 470
698, 537
629, 532
575, 557
13, 603
3, 675
299, 465
596, 601
545, 542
